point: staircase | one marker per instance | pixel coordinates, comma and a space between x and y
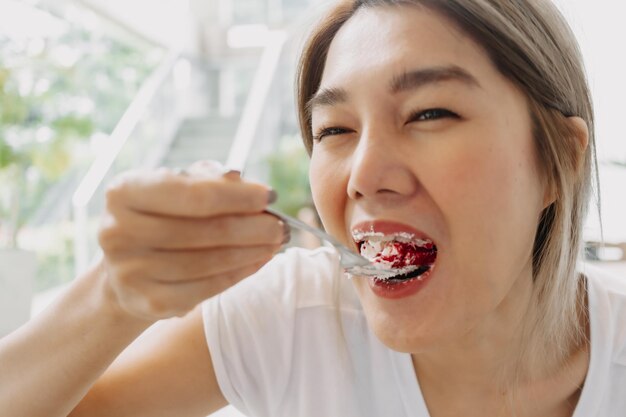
201, 138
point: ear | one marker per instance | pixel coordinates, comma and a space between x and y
578, 132
549, 194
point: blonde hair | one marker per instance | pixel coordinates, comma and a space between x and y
530, 43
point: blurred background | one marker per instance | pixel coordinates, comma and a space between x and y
90, 88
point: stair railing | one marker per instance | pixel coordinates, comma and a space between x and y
101, 166
255, 104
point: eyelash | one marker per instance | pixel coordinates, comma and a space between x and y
439, 113
329, 131
418, 116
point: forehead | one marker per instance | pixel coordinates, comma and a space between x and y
387, 40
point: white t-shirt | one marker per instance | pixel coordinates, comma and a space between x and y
278, 348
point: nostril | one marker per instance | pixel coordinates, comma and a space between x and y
356, 195
382, 180
386, 191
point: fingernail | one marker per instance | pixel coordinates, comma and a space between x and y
232, 174
272, 197
286, 233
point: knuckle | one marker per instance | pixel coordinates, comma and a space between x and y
113, 194
161, 233
116, 193
118, 186
116, 240
110, 236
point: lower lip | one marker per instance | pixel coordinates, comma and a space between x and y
385, 289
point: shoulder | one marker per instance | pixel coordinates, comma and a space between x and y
607, 305
606, 283
258, 330
271, 302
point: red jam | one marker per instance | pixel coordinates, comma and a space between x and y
405, 254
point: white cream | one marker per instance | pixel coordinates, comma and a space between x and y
386, 271
376, 245
403, 237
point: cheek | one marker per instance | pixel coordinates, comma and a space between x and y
328, 190
494, 195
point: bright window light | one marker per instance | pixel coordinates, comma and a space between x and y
247, 36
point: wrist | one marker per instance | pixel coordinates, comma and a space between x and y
108, 301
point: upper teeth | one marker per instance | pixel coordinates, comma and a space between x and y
375, 238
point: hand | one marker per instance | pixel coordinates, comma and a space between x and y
171, 241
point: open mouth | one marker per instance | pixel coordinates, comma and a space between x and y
406, 256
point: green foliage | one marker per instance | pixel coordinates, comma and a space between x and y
7, 155
289, 176
56, 93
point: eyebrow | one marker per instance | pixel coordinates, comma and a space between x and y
415, 79
406, 81
327, 97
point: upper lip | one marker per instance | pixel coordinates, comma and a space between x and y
387, 228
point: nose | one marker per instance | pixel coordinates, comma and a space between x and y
380, 170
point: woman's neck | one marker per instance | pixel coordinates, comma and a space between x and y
484, 365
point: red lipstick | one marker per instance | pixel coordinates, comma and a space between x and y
394, 290
410, 252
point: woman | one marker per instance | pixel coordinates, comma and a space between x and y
456, 137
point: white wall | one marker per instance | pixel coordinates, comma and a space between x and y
167, 22
600, 26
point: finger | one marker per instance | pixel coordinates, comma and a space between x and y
165, 193
136, 230
233, 175
177, 299
179, 267
206, 168
199, 290
213, 169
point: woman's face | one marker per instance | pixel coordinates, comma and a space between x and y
418, 134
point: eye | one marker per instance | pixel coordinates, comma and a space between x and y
330, 131
432, 114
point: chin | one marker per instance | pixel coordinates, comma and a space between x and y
405, 343
405, 335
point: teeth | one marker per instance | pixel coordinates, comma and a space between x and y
403, 237
374, 246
